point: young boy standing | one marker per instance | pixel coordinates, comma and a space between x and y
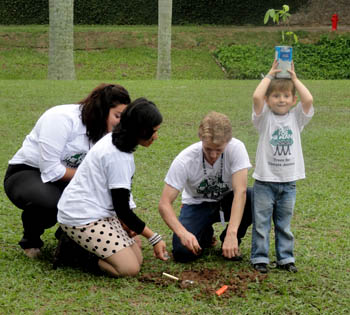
279, 163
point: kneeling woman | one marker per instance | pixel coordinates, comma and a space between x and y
95, 208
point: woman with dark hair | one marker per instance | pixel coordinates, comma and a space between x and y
95, 209
51, 153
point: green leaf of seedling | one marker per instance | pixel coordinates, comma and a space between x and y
284, 16
277, 18
285, 8
296, 38
266, 18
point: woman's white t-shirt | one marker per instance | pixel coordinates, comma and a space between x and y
58, 140
186, 172
87, 198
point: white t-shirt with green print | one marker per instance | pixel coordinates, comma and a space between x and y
187, 173
58, 140
279, 156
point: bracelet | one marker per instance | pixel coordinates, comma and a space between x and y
154, 239
269, 76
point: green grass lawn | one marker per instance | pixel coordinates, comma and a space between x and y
321, 224
130, 52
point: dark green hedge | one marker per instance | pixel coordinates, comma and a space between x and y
24, 12
145, 12
328, 59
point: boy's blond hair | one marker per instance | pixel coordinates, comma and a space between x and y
281, 85
216, 128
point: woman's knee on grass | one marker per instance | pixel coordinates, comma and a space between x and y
123, 263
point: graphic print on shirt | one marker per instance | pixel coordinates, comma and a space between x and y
74, 161
282, 141
212, 187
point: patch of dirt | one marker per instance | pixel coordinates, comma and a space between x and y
208, 281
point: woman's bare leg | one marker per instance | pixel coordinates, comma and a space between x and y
126, 262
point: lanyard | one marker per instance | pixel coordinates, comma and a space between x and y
222, 218
221, 165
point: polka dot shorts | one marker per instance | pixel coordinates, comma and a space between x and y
104, 237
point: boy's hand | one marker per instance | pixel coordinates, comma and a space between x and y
292, 73
274, 69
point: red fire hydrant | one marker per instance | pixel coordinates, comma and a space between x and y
334, 20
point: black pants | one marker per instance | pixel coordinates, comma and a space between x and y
199, 220
38, 200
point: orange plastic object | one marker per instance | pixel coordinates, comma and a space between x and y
221, 290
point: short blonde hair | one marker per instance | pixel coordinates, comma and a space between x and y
281, 85
216, 128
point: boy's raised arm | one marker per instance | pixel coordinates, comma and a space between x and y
306, 98
260, 91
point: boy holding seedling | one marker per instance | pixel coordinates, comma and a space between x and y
279, 163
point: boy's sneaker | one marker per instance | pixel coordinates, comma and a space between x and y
289, 267
261, 267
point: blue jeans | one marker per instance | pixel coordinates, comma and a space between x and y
274, 200
199, 220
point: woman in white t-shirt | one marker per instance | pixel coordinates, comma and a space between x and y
51, 153
95, 209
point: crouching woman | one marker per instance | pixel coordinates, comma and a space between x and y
95, 209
